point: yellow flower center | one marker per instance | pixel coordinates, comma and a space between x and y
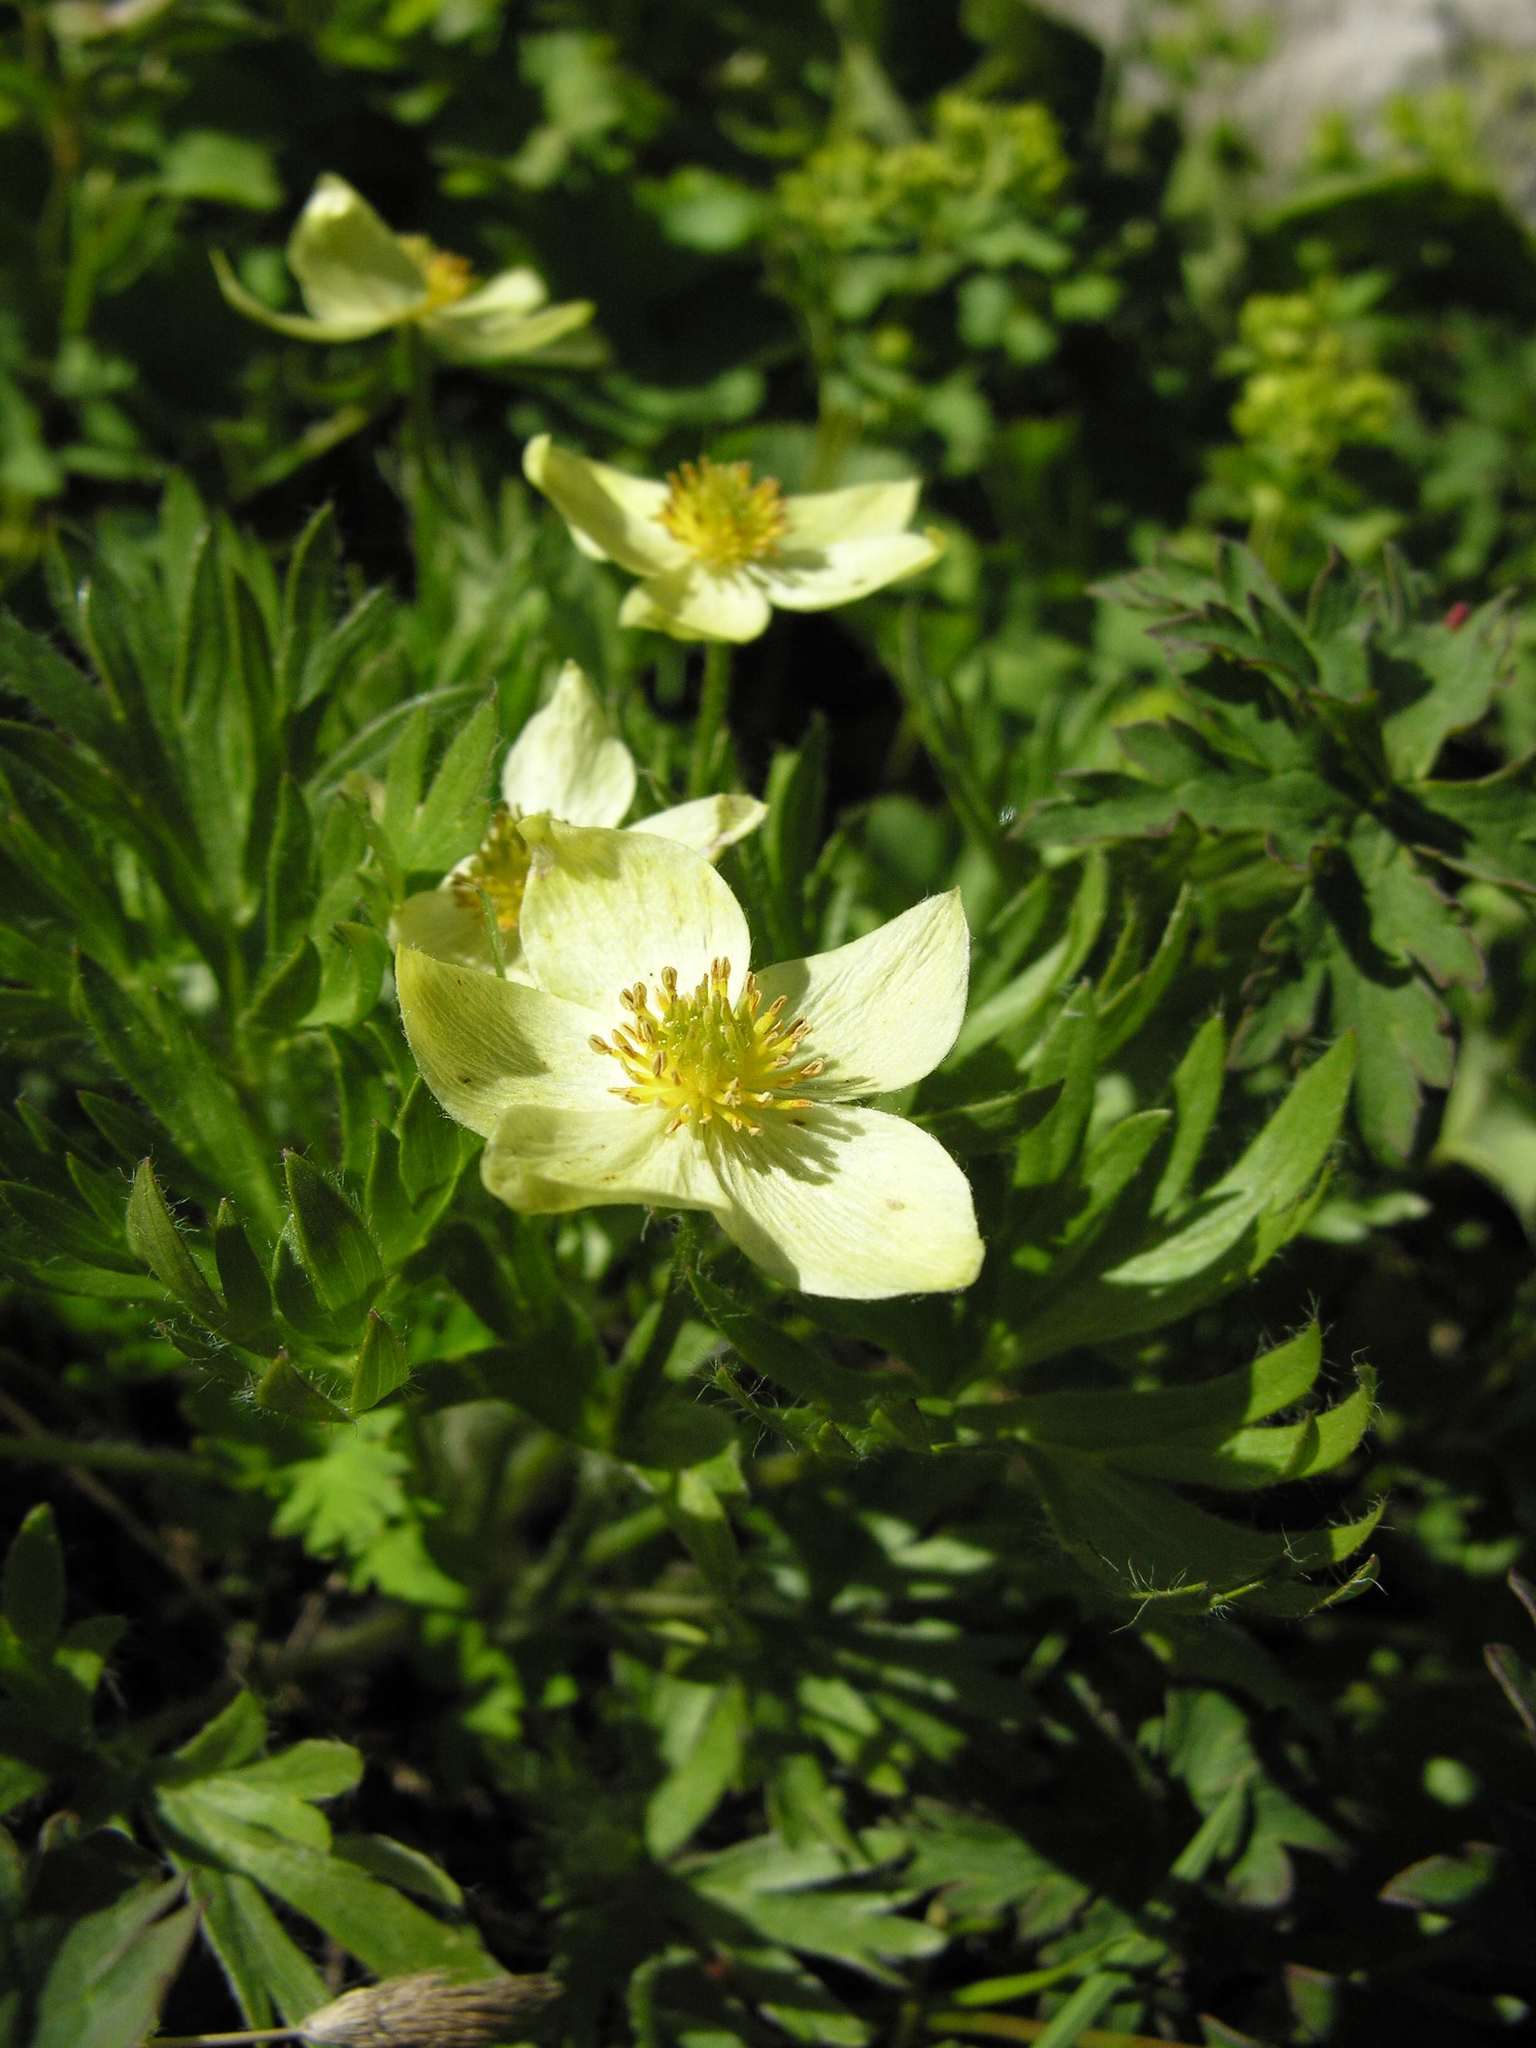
716, 511
701, 1056
499, 871
449, 277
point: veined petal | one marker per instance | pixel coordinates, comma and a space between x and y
567, 762
439, 922
484, 1044
884, 1009
543, 1160
845, 570
857, 513
604, 910
468, 332
349, 264
709, 825
617, 514
300, 326
853, 1203
692, 602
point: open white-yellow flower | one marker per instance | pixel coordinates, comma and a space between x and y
565, 763
647, 1062
358, 278
716, 548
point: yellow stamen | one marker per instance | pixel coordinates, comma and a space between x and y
702, 1056
720, 515
449, 277
499, 870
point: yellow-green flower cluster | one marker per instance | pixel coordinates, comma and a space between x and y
1313, 385
982, 161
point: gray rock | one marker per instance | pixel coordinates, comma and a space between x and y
1343, 56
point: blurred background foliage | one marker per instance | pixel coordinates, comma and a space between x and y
932, 1672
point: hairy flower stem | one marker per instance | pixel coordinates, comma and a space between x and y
423, 442
224, 2040
711, 741
649, 1367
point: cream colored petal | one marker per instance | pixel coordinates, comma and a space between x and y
439, 922
483, 1044
709, 825
297, 325
856, 513
518, 291
489, 334
853, 1203
543, 1160
349, 264
566, 760
845, 570
884, 1009
604, 910
616, 513
694, 603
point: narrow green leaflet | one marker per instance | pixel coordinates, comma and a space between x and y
1149, 1268
111, 1972
1306, 750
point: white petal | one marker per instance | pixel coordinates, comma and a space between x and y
709, 825
483, 1044
438, 922
543, 1160
349, 264
617, 513
694, 603
298, 325
567, 762
476, 329
853, 1203
845, 570
884, 1009
604, 910
852, 514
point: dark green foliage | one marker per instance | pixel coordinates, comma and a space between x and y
1306, 757
1121, 1648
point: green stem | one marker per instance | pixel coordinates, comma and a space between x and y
64, 1450
617, 1539
223, 2040
648, 1370
657, 1606
351, 1644
671, 672
836, 433
960, 786
709, 733
74, 1457
423, 441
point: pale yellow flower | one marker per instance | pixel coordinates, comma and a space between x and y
565, 763
646, 1063
715, 549
358, 278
